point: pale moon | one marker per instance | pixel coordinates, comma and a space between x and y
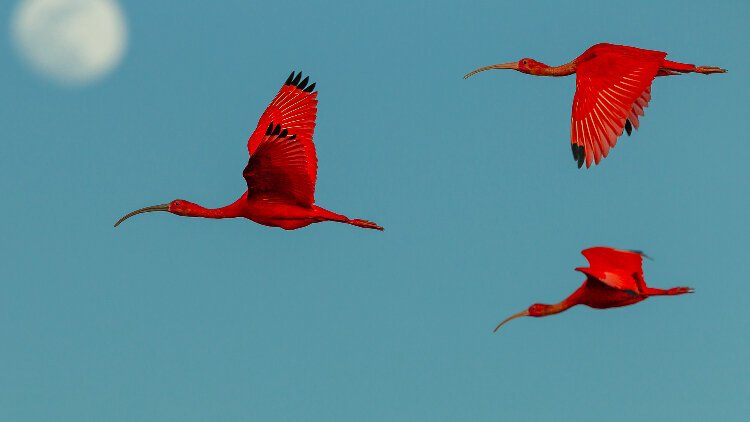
74, 42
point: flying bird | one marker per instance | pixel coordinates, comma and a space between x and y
613, 87
614, 278
281, 171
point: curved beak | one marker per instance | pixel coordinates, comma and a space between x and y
161, 207
511, 65
520, 314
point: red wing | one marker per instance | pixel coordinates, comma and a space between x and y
278, 169
612, 89
295, 109
638, 109
619, 269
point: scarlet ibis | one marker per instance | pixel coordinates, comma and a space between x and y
614, 278
613, 87
281, 171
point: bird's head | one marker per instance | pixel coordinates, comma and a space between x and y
178, 207
535, 310
182, 207
525, 65
538, 310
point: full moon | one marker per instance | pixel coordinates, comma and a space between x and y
74, 42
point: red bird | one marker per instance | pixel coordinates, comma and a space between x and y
282, 169
613, 87
614, 278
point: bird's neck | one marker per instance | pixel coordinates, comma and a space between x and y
563, 70
558, 307
566, 304
232, 210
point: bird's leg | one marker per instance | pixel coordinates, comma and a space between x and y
680, 290
669, 67
707, 70
322, 214
650, 291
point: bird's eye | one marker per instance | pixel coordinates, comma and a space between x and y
177, 203
524, 62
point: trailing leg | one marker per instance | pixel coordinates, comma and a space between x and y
650, 291
322, 214
669, 67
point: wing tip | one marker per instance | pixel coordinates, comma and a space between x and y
579, 154
641, 253
295, 80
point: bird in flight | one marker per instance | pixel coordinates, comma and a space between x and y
281, 171
613, 87
614, 278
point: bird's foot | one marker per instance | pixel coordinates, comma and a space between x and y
680, 290
707, 70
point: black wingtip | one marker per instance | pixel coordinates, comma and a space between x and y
295, 79
579, 154
276, 130
641, 253
270, 129
628, 127
283, 133
304, 82
289, 79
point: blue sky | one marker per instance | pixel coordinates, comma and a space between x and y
167, 318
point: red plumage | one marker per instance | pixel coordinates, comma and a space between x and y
613, 87
614, 278
281, 171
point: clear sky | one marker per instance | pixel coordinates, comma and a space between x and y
169, 318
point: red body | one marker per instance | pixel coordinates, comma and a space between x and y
614, 278
273, 214
281, 172
596, 294
613, 87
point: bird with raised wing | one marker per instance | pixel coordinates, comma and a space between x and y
613, 87
614, 278
281, 171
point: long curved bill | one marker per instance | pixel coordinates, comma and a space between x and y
161, 207
520, 314
511, 65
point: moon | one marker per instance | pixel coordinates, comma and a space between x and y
73, 42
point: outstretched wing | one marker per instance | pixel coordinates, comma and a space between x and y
295, 109
278, 169
613, 87
617, 268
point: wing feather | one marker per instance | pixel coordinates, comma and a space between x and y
613, 86
283, 164
295, 109
617, 268
277, 170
